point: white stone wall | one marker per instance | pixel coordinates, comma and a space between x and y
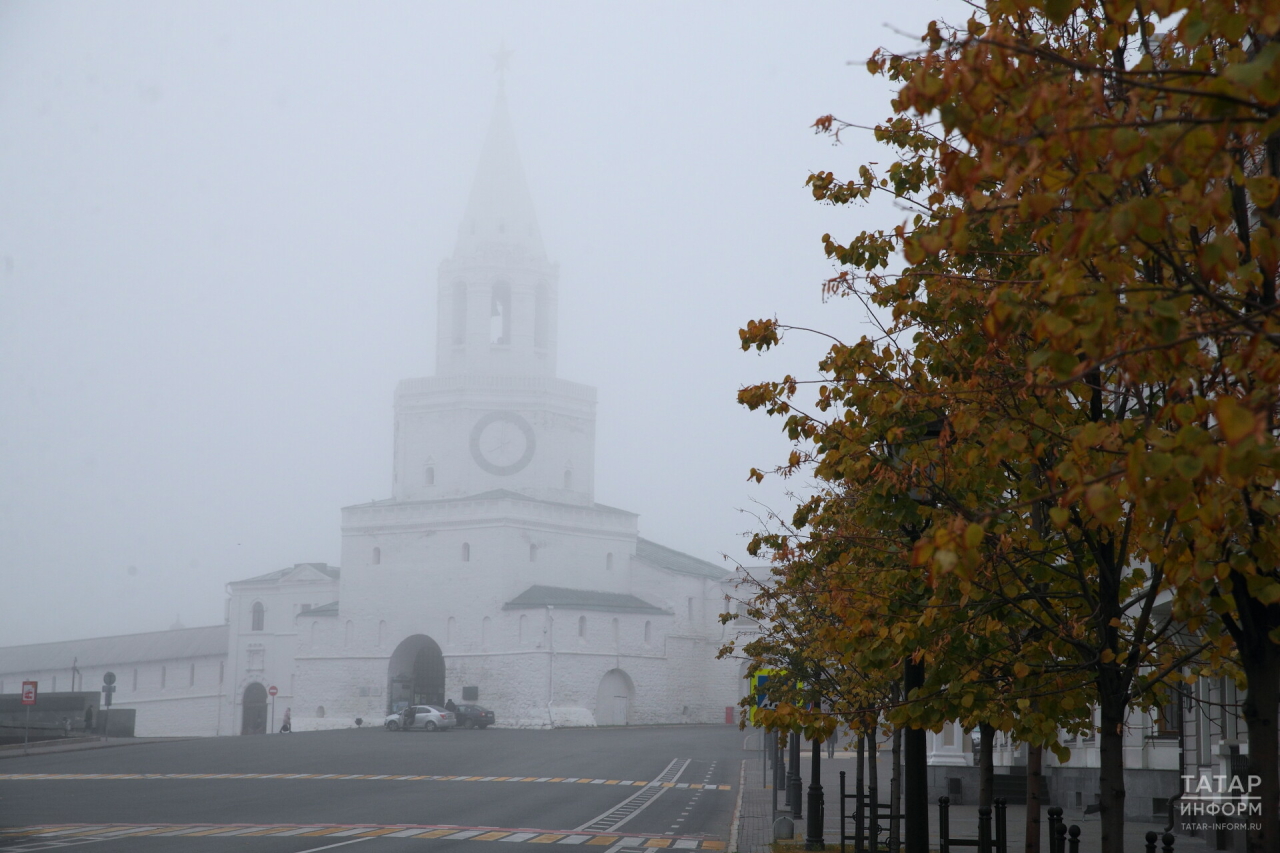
177, 697
268, 656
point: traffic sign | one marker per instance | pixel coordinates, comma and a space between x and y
109, 679
272, 690
29, 692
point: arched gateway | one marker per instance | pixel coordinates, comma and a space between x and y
254, 718
415, 675
613, 699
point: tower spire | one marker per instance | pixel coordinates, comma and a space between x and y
497, 293
500, 215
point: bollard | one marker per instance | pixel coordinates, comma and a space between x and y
1073, 844
944, 825
1055, 820
1060, 830
1151, 841
1002, 826
984, 829
1168, 842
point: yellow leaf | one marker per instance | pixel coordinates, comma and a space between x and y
1237, 422
1021, 670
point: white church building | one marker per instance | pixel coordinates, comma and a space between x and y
490, 574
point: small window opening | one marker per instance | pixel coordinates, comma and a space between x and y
193, 676
568, 480
542, 317
164, 676
608, 562
533, 553
259, 616
320, 712
500, 315
459, 313
377, 556
582, 626
648, 631
429, 476
466, 552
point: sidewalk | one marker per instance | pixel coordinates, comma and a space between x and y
755, 821
75, 744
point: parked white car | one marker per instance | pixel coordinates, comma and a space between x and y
426, 717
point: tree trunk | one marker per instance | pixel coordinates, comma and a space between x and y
986, 764
1111, 770
1035, 756
1261, 706
915, 772
895, 792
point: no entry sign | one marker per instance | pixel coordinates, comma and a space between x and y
272, 690
29, 692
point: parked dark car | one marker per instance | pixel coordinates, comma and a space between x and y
473, 716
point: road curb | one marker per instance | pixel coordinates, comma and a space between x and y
737, 809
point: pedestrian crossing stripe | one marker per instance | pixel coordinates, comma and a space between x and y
358, 830
112, 777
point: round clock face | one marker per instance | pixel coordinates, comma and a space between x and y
502, 443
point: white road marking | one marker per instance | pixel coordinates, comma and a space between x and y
352, 831
339, 844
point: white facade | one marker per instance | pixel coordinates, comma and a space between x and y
490, 573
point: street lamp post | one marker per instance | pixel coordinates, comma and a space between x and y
794, 784
813, 830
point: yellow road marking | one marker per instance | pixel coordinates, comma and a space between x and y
375, 832
713, 845
151, 831
546, 839
490, 836
214, 831
604, 840
436, 833
658, 842
268, 831
325, 831
611, 781
560, 779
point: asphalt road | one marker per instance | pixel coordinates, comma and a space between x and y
613, 789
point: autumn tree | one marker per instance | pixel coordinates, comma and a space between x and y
1138, 144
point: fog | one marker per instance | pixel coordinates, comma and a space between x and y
220, 226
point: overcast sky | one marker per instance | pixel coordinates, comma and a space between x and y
220, 226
